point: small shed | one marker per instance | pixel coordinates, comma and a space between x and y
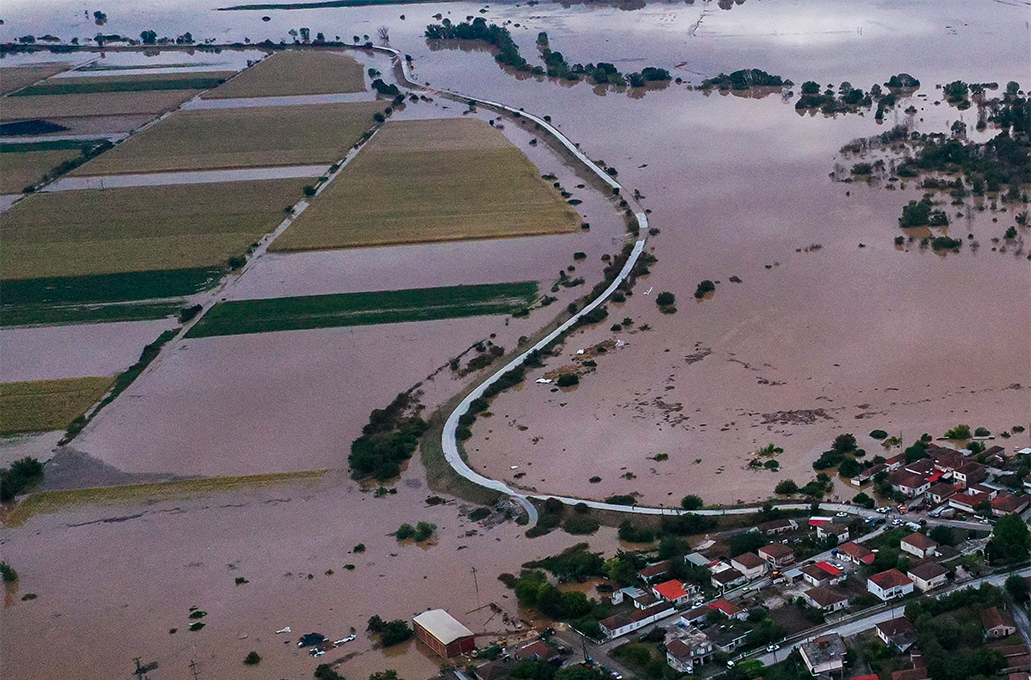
443, 633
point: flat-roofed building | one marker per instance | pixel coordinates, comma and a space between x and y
443, 633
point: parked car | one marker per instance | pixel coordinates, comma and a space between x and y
842, 514
772, 648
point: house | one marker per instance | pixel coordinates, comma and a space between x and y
749, 564
889, 584
726, 576
983, 491
727, 637
826, 598
919, 545
621, 624
654, 571
822, 574
895, 462
777, 526
898, 633
923, 467
493, 670
865, 476
969, 474
908, 483
777, 554
839, 531
690, 649
941, 492
729, 609
928, 576
911, 674
697, 559
1017, 656
945, 459
1008, 504
693, 616
856, 554
998, 623
964, 502
443, 634
825, 654
538, 651
671, 591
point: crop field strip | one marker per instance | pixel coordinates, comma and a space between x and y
127, 83
46, 405
236, 138
139, 229
432, 180
16, 77
57, 106
295, 72
18, 170
360, 309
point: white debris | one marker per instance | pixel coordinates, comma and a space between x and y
285, 629
515, 467
649, 290
544, 381
579, 351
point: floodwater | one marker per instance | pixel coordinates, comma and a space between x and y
154, 179
54, 352
121, 577
39, 446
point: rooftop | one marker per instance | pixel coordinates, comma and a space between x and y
777, 550
727, 576
994, 617
687, 641
927, 571
823, 649
725, 606
815, 572
653, 570
919, 541
825, 596
857, 551
942, 490
671, 590
442, 625
893, 627
906, 478
829, 568
750, 560
892, 578
1007, 502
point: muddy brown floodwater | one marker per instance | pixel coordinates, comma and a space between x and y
111, 582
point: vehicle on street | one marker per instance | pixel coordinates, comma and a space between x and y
772, 648
841, 514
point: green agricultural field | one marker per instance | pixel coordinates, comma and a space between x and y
432, 180
48, 145
128, 83
18, 170
236, 138
359, 309
45, 405
64, 315
295, 72
139, 229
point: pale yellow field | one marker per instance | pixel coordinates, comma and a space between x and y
105, 231
93, 104
233, 138
295, 72
432, 180
16, 77
18, 170
45, 405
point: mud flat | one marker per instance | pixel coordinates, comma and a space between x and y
91, 232
189, 551
431, 180
295, 72
235, 138
279, 402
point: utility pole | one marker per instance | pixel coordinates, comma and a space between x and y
140, 671
194, 668
476, 586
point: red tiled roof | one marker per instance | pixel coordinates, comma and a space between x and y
920, 542
891, 579
1008, 503
966, 499
927, 571
671, 590
825, 596
829, 568
728, 608
777, 551
656, 569
856, 551
893, 627
749, 560
906, 478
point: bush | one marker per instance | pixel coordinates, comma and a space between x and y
360, 548
704, 288
23, 473
958, 432
691, 502
252, 659
236, 262
632, 534
982, 432
479, 514
621, 500
326, 672
404, 531
424, 531
878, 434
7, 573
568, 380
580, 525
395, 632
309, 190
863, 501
786, 487
665, 299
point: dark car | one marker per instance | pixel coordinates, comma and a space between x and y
310, 639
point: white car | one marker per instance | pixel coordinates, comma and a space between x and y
842, 514
772, 648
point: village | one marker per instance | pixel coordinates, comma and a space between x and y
828, 595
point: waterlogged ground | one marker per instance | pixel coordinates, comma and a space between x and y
123, 576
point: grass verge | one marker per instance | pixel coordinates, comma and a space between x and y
46, 405
54, 501
356, 309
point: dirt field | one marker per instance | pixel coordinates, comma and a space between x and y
231, 138
45, 405
129, 83
22, 169
432, 180
95, 104
76, 233
16, 77
295, 72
